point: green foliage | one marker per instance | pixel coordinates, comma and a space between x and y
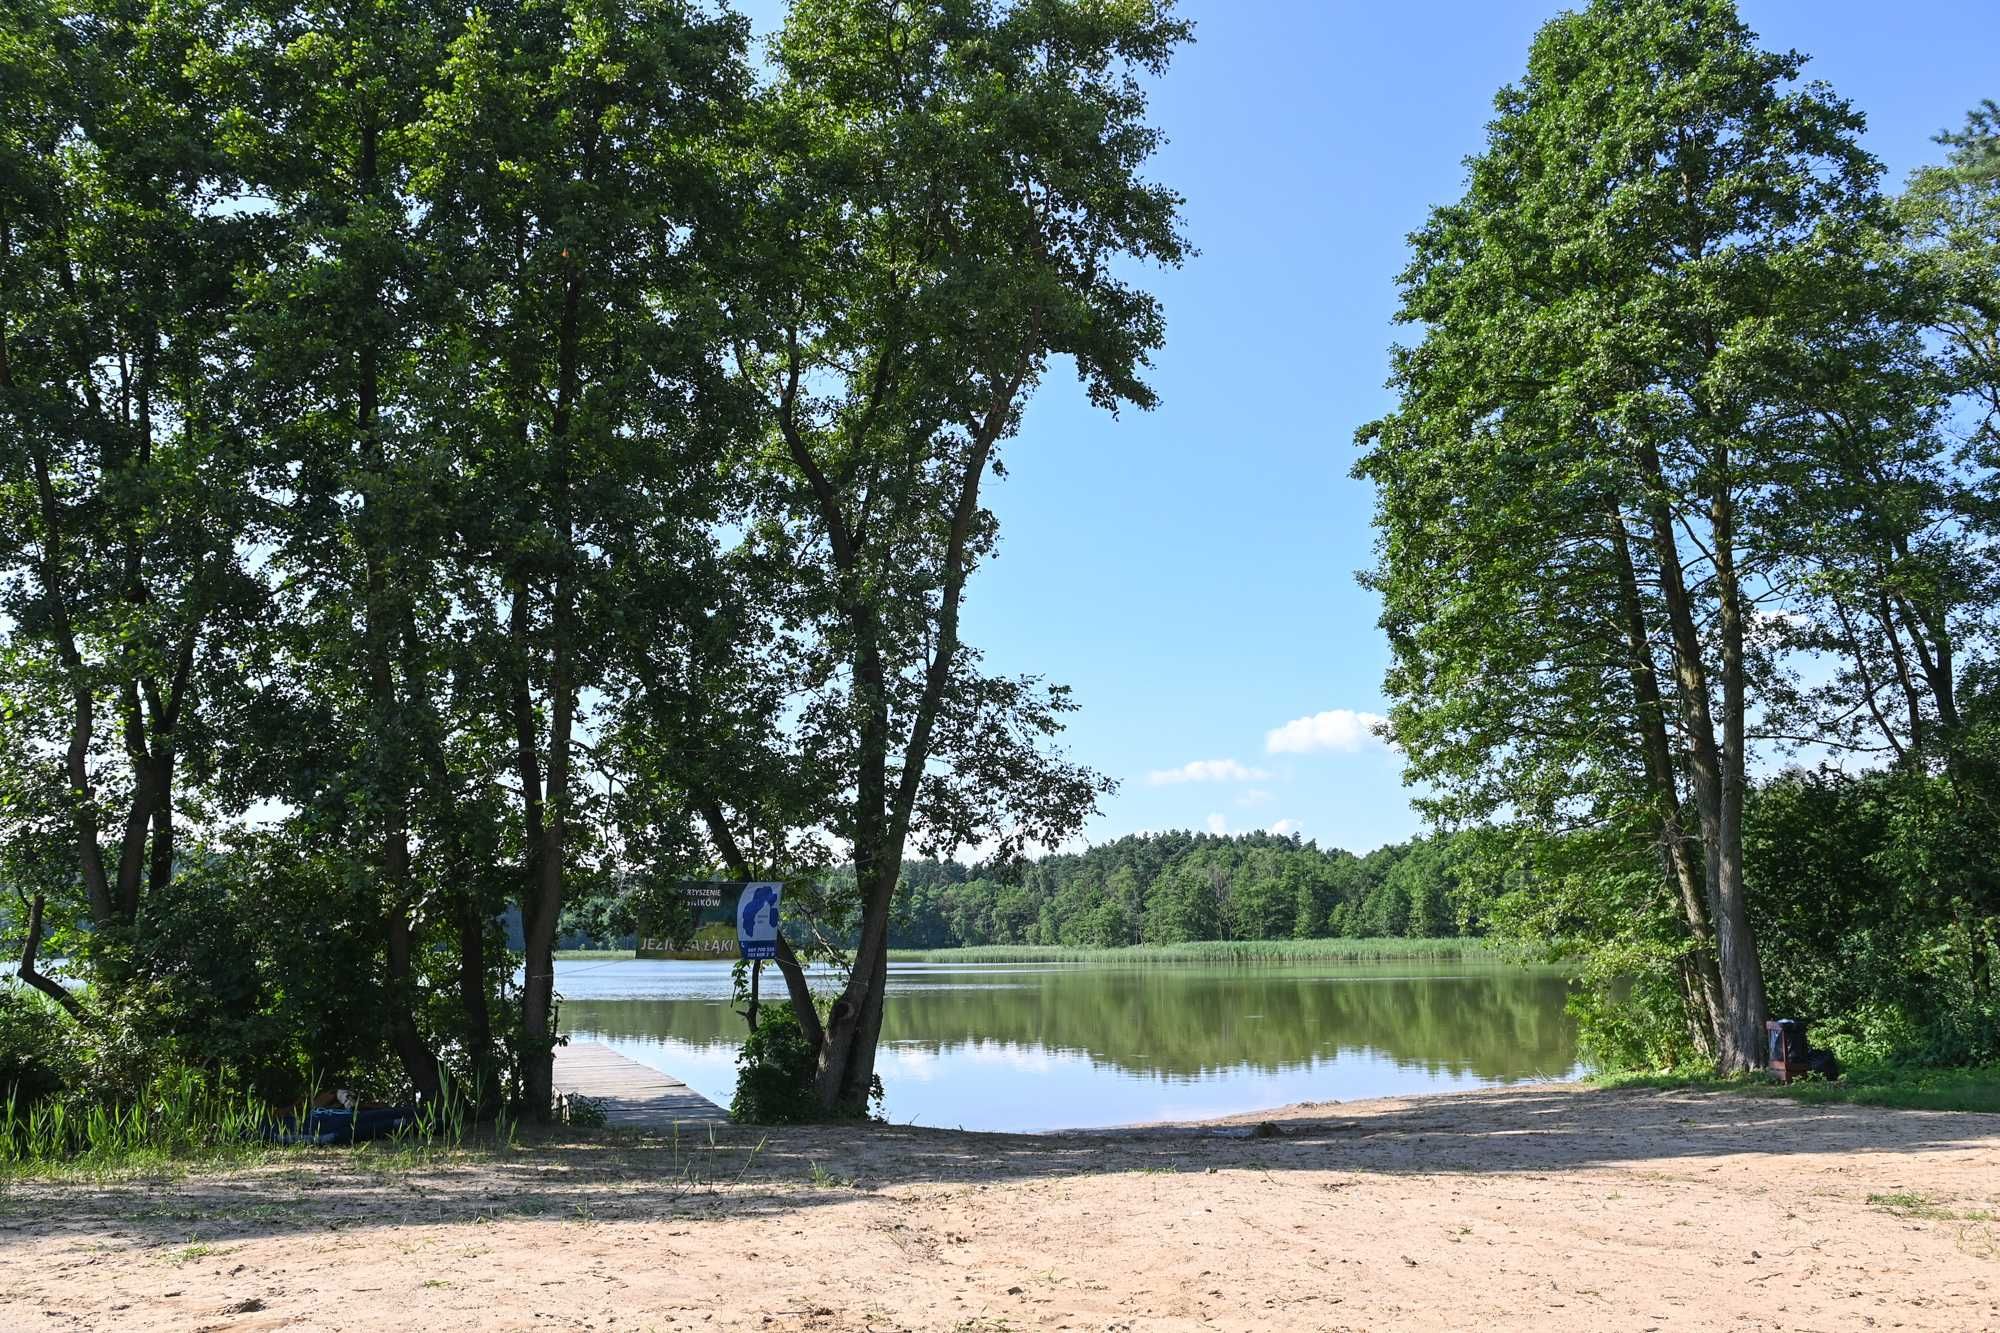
1861, 941
39, 1055
542, 460
1591, 900
774, 1073
943, 203
1697, 416
180, 1115
1176, 888
183, 1115
1902, 1086
522, 448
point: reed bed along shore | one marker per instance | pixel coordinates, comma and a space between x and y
184, 1120
1379, 950
1229, 951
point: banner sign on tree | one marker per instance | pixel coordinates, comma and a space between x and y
757, 920
712, 918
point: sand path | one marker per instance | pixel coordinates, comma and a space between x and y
1536, 1207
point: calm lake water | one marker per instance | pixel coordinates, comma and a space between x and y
1018, 1046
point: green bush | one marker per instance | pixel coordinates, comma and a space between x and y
774, 1073
38, 1049
1629, 1008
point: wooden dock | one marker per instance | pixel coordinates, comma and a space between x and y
632, 1095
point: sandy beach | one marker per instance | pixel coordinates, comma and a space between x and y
1545, 1207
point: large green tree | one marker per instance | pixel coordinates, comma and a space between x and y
128, 486
1641, 324
942, 198
322, 102
566, 170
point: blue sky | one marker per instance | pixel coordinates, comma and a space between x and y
1190, 571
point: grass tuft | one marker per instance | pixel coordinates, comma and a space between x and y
1926, 1209
820, 1178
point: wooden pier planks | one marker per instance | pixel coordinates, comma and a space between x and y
632, 1095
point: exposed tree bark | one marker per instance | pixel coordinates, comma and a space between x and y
420, 1063
1715, 775
1705, 983
537, 924
149, 717
1978, 961
382, 621
83, 702
145, 799
546, 791
160, 865
473, 1002
1743, 1045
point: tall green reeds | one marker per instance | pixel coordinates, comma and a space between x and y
191, 1118
1390, 949
185, 1117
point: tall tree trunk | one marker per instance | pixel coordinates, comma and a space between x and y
538, 999
83, 702
537, 926
1741, 1038
473, 1003
883, 816
1705, 988
139, 819
854, 1026
1744, 1045
381, 623
420, 1063
846, 1070
161, 867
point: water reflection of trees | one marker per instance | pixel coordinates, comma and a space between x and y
1500, 1024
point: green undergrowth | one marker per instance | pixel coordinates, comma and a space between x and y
182, 1123
1227, 951
1902, 1086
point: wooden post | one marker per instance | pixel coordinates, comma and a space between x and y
756, 970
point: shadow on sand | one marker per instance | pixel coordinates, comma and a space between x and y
739, 1171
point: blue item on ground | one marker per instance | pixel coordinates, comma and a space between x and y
332, 1125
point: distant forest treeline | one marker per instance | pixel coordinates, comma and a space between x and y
1172, 888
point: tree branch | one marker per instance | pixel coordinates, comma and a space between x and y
48, 986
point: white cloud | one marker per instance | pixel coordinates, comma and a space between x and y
1255, 796
1285, 828
1336, 729
1218, 825
1206, 770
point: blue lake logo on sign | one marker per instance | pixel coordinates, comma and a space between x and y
757, 920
